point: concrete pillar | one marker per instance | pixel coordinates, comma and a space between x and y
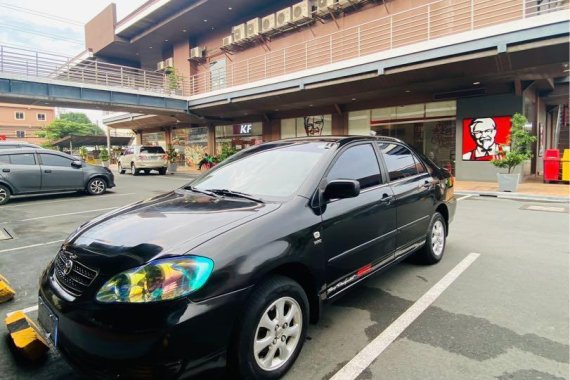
271, 130
168, 136
212, 140
340, 124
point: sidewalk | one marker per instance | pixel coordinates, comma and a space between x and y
532, 187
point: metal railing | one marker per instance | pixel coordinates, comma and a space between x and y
28, 63
419, 24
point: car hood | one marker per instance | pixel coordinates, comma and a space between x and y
167, 225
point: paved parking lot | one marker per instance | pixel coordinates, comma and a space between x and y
504, 317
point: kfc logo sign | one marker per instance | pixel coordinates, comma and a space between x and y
2, 137
483, 136
243, 129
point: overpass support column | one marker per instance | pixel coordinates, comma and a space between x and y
340, 124
212, 140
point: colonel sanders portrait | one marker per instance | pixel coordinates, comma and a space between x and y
483, 132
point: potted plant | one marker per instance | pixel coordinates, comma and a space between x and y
83, 153
172, 79
104, 157
515, 152
172, 155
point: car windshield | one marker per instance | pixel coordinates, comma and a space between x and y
266, 171
152, 150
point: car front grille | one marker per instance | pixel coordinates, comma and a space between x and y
71, 275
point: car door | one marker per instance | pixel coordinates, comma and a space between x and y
58, 174
413, 189
126, 158
357, 233
21, 171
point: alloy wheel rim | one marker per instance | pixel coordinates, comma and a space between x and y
437, 238
120, 167
133, 170
278, 334
3, 194
97, 186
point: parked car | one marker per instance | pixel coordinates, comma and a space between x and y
143, 158
17, 145
27, 171
238, 262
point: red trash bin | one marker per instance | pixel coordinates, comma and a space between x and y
551, 165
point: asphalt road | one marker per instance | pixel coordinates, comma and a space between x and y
506, 316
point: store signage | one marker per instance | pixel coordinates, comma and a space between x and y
483, 137
314, 125
243, 129
2, 137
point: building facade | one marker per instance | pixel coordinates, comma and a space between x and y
445, 76
22, 123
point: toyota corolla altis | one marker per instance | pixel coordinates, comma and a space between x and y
231, 268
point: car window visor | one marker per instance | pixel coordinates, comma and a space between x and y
232, 193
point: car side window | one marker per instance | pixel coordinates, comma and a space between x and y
4, 159
23, 159
399, 161
358, 163
54, 160
419, 165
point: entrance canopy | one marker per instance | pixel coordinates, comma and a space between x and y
77, 141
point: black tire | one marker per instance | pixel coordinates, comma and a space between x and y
4, 195
146, 171
162, 171
242, 359
121, 169
433, 251
96, 186
134, 170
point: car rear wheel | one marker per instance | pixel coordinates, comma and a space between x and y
162, 171
121, 169
4, 195
434, 248
272, 331
96, 186
134, 170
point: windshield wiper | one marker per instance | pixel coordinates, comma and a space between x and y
196, 190
232, 193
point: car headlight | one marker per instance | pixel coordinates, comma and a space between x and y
159, 280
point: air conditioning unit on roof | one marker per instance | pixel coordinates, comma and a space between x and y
323, 6
197, 52
227, 41
253, 27
160, 66
268, 23
283, 17
301, 11
169, 62
238, 32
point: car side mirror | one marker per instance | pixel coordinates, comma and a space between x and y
340, 189
76, 164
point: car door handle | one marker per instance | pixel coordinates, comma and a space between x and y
425, 185
47, 171
387, 198
6, 170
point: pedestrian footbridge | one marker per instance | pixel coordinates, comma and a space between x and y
40, 78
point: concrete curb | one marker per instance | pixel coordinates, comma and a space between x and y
515, 196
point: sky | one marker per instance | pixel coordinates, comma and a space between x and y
55, 26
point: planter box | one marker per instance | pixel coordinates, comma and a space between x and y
508, 182
172, 168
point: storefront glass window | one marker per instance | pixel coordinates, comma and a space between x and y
359, 123
318, 125
154, 139
191, 144
239, 136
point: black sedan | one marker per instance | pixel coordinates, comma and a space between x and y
29, 171
231, 268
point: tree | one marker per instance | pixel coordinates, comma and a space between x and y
519, 149
72, 123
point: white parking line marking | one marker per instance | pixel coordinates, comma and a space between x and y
40, 203
25, 311
465, 197
69, 213
369, 353
30, 246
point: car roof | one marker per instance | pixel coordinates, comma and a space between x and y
32, 150
342, 140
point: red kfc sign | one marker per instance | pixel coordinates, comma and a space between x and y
2, 137
483, 136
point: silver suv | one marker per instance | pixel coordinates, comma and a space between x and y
143, 158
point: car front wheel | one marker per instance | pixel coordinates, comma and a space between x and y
121, 169
434, 248
134, 170
96, 186
272, 331
4, 195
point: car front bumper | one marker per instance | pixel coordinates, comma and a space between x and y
162, 340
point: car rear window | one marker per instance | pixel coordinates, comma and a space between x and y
152, 150
23, 159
